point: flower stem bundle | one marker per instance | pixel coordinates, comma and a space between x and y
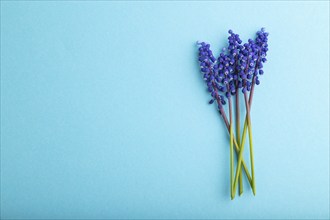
236, 69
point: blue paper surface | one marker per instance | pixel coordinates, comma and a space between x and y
104, 112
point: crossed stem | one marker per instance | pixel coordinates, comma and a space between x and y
237, 148
247, 124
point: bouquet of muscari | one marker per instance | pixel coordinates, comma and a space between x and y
236, 71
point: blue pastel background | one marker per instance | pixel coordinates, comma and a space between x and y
104, 113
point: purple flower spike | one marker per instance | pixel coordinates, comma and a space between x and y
248, 62
209, 67
262, 43
237, 67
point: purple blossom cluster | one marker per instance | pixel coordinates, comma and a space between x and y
237, 67
211, 77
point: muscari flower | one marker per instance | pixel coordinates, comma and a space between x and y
234, 47
209, 68
226, 74
238, 66
225, 66
261, 42
251, 58
247, 62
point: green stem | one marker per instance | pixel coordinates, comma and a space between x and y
231, 149
250, 142
238, 137
237, 148
248, 105
244, 136
240, 156
246, 124
238, 168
